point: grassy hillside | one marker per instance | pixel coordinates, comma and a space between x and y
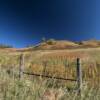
52, 44
59, 63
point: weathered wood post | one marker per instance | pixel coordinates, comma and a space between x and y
66, 65
21, 66
44, 69
79, 75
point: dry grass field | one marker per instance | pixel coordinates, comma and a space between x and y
59, 63
62, 63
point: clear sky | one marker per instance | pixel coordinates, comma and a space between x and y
25, 22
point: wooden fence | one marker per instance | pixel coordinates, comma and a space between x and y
78, 73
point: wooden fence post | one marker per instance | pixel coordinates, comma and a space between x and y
79, 75
21, 66
44, 69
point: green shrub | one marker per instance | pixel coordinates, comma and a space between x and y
51, 42
5, 46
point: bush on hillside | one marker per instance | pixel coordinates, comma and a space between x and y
5, 46
51, 42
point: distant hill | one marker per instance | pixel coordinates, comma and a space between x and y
5, 46
90, 43
64, 44
52, 44
56, 44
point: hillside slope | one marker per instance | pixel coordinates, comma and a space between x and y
54, 44
64, 44
60, 45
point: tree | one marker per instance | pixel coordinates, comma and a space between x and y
5, 46
43, 39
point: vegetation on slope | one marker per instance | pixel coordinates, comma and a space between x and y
52, 44
5, 46
12, 88
60, 63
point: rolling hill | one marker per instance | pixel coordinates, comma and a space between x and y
64, 44
52, 44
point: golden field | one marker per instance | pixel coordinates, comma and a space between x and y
58, 63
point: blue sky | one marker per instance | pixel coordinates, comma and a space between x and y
25, 22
